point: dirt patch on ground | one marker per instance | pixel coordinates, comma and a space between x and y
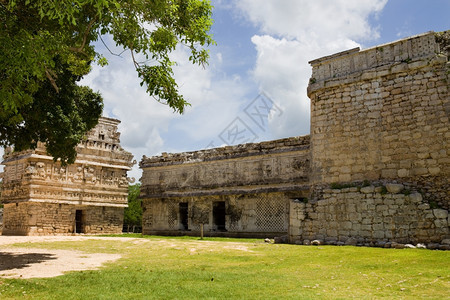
33, 262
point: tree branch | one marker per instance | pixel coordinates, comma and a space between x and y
49, 74
106, 46
86, 33
136, 64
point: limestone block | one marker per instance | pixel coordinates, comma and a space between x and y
367, 189
440, 213
378, 189
423, 206
400, 201
366, 227
356, 227
378, 227
403, 173
345, 177
365, 233
391, 201
381, 208
347, 225
415, 198
389, 173
394, 188
380, 234
370, 201
434, 170
389, 212
332, 232
351, 208
419, 171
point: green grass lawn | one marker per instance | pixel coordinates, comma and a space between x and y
189, 268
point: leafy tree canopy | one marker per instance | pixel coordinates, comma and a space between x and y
47, 46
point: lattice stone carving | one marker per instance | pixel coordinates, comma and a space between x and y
172, 214
271, 214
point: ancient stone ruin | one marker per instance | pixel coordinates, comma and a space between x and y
41, 197
241, 190
374, 171
380, 159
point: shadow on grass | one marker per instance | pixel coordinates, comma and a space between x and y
9, 260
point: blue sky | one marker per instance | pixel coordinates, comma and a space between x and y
254, 88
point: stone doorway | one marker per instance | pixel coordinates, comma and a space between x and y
219, 215
183, 210
79, 221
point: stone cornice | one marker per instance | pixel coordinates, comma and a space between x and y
229, 152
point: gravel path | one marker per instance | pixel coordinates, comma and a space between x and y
33, 262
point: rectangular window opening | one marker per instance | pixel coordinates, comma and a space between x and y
184, 224
219, 215
78, 221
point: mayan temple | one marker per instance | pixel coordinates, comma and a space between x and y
41, 197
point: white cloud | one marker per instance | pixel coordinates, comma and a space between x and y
148, 127
319, 19
296, 32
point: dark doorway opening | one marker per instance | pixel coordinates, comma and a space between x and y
219, 215
183, 215
78, 221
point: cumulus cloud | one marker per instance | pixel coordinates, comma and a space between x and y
293, 33
148, 127
317, 20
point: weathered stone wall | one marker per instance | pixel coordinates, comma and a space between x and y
371, 216
30, 218
262, 214
379, 117
383, 114
255, 182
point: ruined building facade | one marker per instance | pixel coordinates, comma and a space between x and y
41, 197
375, 169
242, 190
